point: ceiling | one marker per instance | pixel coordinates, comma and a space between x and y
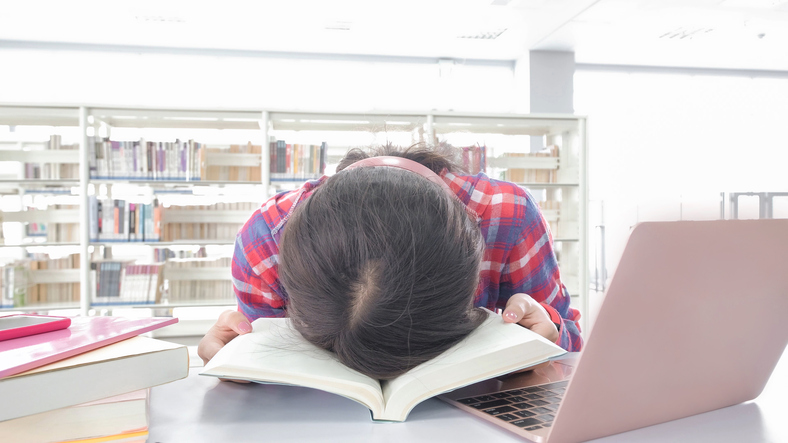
730, 34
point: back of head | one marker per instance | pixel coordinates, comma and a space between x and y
380, 267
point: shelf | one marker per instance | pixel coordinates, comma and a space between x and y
41, 156
197, 274
40, 245
285, 121
523, 162
21, 145
173, 183
44, 276
205, 216
49, 307
40, 182
551, 215
234, 159
206, 303
47, 116
502, 124
206, 242
565, 240
162, 118
275, 181
47, 216
38, 186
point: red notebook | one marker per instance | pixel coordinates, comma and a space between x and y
85, 334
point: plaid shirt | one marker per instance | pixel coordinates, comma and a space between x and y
518, 256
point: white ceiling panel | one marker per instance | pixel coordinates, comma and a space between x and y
737, 34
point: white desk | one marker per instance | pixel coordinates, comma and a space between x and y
202, 409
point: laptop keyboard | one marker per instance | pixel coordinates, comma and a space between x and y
530, 408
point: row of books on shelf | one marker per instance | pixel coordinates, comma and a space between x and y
164, 254
145, 160
119, 220
115, 220
117, 283
190, 160
232, 173
112, 282
95, 378
53, 232
532, 175
53, 171
225, 231
200, 290
19, 288
297, 161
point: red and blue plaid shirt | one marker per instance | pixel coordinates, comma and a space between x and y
518, 256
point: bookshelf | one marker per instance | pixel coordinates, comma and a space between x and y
231, 168
555, 176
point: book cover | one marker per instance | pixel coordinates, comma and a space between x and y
118, 416
84, 334
118, 368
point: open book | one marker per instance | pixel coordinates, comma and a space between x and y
275, 353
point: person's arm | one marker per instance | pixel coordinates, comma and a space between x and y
255, 296
531, 291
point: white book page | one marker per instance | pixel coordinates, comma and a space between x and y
494, 348
275, 353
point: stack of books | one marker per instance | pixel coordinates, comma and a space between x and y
26, 291
54, 171
532, 175
89, 382
114, 282
202, 290
114, 220
144, 160
296, 162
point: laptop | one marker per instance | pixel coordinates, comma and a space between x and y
693, 320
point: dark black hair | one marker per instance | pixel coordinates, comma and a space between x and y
380, 266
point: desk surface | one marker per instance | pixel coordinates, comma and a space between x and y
203, 409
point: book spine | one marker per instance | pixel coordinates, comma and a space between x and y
323, 157
132, 232
289, 160
272, 146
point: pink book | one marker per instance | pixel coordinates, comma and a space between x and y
85, 334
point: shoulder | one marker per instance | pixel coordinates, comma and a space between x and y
259, 237
491, 199
277, 209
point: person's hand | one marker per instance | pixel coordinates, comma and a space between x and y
230, 324
526, 311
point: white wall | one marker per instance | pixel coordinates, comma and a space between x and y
240, 82
663, 146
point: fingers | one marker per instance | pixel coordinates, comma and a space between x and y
516, 308
235, 321
229, 325
522, 309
